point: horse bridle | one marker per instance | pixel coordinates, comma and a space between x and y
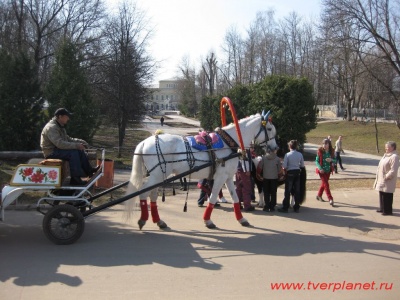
263, 127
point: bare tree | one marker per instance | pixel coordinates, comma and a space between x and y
187, 88
209, 68
343, 59
128, 67
37, 27
233, 48
378, 21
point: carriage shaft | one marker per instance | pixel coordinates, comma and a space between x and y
168, 180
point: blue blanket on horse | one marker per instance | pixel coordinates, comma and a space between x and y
199, 141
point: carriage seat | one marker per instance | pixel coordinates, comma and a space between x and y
64, 164
200, 142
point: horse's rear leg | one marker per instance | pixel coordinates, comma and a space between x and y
154, 210
236, 204
144, 210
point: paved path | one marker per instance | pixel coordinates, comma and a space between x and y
349, 247
357, 165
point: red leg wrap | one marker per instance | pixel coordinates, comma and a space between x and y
238, 213
154, 212
208, 211
144, 210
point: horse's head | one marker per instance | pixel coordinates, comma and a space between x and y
269, 131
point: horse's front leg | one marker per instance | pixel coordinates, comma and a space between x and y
236, 205
154, 210
210, 206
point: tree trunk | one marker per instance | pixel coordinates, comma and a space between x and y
376, 131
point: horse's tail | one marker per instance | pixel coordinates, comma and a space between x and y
135, 181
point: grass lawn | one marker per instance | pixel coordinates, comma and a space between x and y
357, 136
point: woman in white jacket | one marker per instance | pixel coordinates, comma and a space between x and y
386, 177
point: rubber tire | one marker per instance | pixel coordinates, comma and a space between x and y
63, 224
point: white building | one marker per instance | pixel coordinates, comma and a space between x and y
165, 96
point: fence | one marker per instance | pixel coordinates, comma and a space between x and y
332, 111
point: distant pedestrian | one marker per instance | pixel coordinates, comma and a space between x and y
345, 115
338, 150
162, 121
324, 161
386, 177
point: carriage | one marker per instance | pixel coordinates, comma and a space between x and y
215, 157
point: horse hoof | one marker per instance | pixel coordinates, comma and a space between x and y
141, 223
162, 224
245, 224
211, 226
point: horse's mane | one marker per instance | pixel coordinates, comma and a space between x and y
231, 125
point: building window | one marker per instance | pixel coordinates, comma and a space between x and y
162, 97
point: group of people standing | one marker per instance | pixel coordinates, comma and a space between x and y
271, 169
386, 176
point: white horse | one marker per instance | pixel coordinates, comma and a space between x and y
165, 154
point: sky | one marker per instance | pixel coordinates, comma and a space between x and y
192, 28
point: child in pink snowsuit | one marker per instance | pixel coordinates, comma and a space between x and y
243, 184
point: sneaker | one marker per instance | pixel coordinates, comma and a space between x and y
319, 198
343, 169
331, 202
222, 200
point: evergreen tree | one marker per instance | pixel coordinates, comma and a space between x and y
240, 97
290, 100
209, 113
292, 104
68, 87
21, 116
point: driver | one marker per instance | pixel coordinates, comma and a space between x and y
55, 143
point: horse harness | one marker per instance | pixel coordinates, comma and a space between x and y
162, 162
232, 144
267, 138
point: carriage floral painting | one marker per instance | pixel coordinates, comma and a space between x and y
37, 175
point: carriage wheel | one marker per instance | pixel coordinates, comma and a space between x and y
63, 224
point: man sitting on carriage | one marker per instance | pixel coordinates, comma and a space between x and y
55, 143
